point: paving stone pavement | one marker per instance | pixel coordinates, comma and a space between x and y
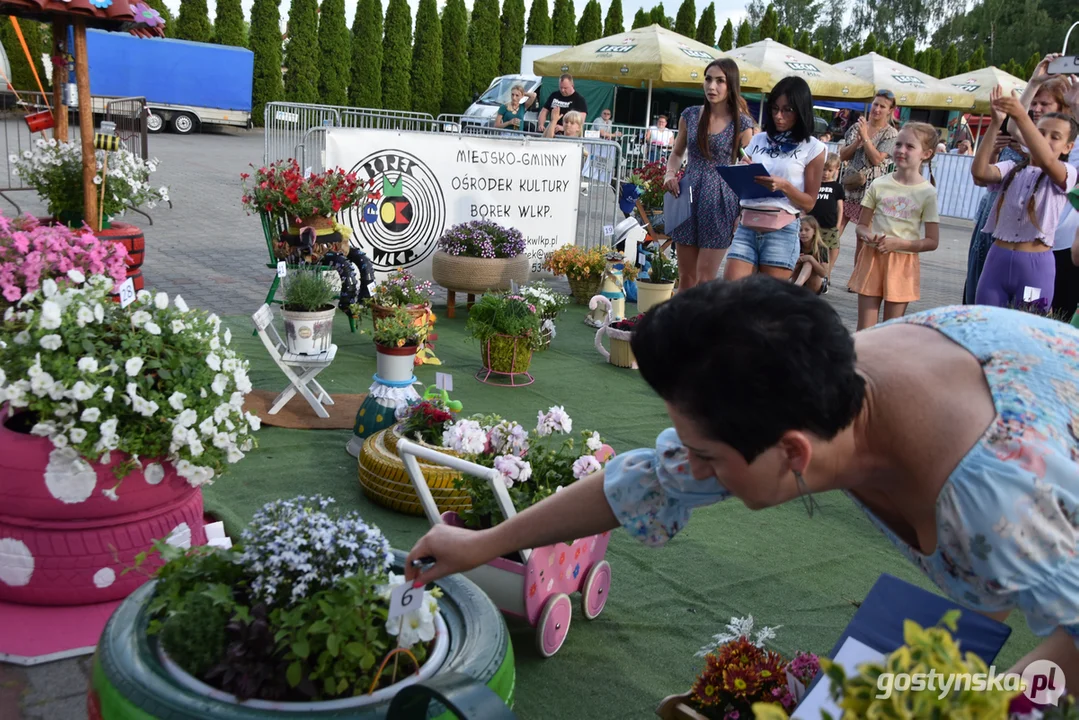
207, 249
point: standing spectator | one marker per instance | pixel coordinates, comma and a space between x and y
867, 150
566, 99
767, 234
512, 114
829, 209
712, 134
963, 147
899, 221
602, 125
658, 138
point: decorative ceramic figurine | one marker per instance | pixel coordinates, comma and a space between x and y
612, 288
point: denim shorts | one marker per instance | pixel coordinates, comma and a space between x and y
778, 248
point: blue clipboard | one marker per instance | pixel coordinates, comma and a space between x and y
676, 210
740, 179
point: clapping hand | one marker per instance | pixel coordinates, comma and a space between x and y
556, 113
863, 129
1005, 104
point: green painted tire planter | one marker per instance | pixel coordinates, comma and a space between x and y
128, 682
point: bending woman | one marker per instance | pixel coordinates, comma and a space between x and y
713, 134
987, 506
767, 234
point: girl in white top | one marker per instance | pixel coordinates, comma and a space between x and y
767, 236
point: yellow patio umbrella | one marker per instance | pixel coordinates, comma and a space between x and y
911, 87
779, 61
981, 82
652, 54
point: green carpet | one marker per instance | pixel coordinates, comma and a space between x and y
778, 565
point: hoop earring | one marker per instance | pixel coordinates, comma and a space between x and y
808, 500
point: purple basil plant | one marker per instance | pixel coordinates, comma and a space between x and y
482, 239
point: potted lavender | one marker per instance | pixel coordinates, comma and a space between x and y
479, 256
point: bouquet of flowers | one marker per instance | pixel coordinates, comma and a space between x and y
741, 677
533, 464
650, 180
482, 239
577, 263
54, 169
30, 253
155, 380
296, 611
283, 188
425, 421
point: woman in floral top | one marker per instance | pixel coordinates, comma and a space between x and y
966, 459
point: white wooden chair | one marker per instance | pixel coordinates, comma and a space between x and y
299, 369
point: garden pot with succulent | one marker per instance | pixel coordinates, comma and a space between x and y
308, 311
549, 305
293, 621
397, 339
583, 268
508, 328
658, 287
113, 418
480, 256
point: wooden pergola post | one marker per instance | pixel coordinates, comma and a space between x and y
86, 127
59, 38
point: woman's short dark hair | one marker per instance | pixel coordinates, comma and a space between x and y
750, 360
801, 99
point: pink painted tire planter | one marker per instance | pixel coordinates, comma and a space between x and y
82, 562
42, 483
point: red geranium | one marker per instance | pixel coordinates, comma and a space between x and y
283, 188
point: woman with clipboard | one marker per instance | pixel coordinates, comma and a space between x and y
767, 236
713, 134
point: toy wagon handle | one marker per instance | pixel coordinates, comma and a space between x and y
593, 304
410, 451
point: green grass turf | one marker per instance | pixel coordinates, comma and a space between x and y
778, 565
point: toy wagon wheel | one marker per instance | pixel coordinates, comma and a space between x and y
553, 624
596, 586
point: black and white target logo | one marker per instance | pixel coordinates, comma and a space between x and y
401, 217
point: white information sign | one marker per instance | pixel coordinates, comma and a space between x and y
419, 185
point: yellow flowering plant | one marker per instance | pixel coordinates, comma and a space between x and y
926, 650
577, 263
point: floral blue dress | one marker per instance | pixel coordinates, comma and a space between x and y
1007, 517
715, 206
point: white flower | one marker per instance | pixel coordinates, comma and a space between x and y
97, 181
108, 393
585, 466
243, 383
50, 314
214, 362
82, 391
51, 342
48, 287
59, 441
143, 296
465, 436
555, 420
207, 427
87, 364
221, 440
512, 469
23, 337
153, 474
152, 328
110, 493
109, 426
161, 301
84, 316
144, 407
99, 312
196, 446
3, 377
43, 429
133, 366
40, 383
176, 400
90, 415
76, 276
187, 418
228, 336
180, 304
77, 435
594, 443
253, 421
140, 317
219, 384
234, 455
178, 327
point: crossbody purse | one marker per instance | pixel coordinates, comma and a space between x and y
768, 220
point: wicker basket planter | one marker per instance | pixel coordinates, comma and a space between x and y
478, 275
506, 354
547, 334
418, 313
583, 290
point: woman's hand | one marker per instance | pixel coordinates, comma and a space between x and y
886, 244
996, 112
773, 183
1008, 104
671, 185
454, 550
1041, 73
863, 130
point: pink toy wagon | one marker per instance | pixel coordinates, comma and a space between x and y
539, 587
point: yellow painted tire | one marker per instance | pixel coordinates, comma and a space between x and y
384, 480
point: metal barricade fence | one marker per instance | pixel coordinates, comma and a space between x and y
957, 195
129, 114
17, 137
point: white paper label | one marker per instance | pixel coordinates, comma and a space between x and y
286, 116
608, 230
282, 269
444, 381
126, 292
1030, 294
403, 599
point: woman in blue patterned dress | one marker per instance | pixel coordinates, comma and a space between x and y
713, 134
966, 460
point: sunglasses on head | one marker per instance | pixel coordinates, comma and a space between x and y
886, 93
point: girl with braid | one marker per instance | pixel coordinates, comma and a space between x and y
1031, 195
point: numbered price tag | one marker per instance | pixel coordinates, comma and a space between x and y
608, 230
282, 269
126, 291
1030, 294
444, 381
403, 599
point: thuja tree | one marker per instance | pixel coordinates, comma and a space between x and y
301, 53
335, 60
614, 23
22, 77
513, 35
229, 26
539, 23
564, 23
427, 60
397, 57
685, 23
484, 46
726, 37
365, 84
456, 76
706, 28
591, 26
745, 34
266, 85
194, 22
641, 19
